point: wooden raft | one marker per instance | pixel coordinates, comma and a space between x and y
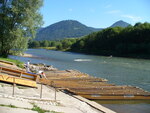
17, 77
112, 92
94, 88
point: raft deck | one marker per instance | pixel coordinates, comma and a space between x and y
94, 88
76, 83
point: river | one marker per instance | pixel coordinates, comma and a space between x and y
120, 71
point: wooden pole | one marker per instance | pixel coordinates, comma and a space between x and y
41, 90
21, 75
52, 85
0, 69
55, 93
13, 87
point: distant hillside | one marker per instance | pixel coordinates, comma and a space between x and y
69, 29
133, 41
120, 24
64, 29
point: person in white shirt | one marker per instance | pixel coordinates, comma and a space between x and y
28, 66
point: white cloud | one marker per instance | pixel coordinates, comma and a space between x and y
113, 11
133, 18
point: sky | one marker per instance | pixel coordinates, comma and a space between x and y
96, 13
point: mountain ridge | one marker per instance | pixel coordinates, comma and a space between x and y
120, 23
66, 29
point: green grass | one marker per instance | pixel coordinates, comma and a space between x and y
35, 108
39, 110
17, 62
11, 106
49, 48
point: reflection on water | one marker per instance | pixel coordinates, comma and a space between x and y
120, 71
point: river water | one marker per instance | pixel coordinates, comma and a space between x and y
120, 71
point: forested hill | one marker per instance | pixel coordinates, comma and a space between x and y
120, 23
132, 41
69, 29
64, 29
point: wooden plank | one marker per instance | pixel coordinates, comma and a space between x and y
20, 81
93, 89
89, 79
19, 73
11, 73
99, 97
127, 91
7, 62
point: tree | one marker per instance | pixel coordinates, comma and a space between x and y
59, 46
34, 44
44, 43
132, 41
19, 20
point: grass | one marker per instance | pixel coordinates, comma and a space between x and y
16, 62
11, 106
35, 108
49, 48
39, 110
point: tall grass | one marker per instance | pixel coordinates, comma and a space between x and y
16, 62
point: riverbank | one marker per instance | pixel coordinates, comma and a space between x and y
132, 56
120, 71
27, 55
26, 99
31, 100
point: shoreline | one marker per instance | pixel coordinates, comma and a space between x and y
109, 107
143, 57
27, 55
26, 95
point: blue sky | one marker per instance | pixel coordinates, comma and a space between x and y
96, 13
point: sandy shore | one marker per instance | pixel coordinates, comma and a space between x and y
27, 55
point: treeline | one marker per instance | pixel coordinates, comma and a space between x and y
132, 41
58, 45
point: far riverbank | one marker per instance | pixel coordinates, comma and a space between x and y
132, 56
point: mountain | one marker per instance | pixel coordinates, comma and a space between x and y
69, 29
64, 29
120, 23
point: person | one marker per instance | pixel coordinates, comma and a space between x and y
42, 74
28, 66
